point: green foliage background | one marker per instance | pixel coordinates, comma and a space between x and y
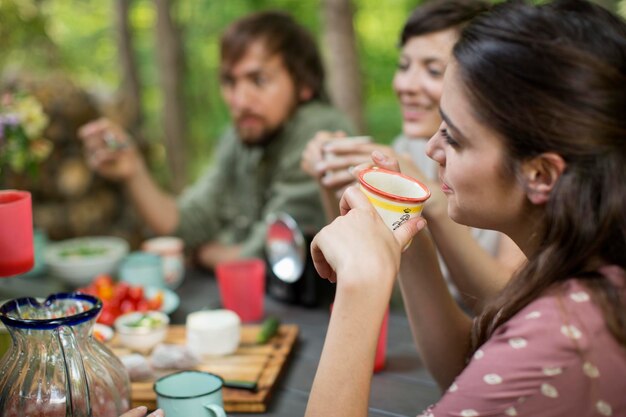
77, 37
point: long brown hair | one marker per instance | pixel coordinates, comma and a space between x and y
436, 15
552, 78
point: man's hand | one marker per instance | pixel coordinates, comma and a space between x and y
110, 151
210, 254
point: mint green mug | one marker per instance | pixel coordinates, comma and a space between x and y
190, 393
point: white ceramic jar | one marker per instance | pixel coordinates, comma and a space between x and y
213, 332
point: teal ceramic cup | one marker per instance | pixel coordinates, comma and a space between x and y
190, 393
143, 268
40, 240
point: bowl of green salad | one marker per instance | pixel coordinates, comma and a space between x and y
77, 261
142, 331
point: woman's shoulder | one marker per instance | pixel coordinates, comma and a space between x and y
566, 328
568, 313
556, 356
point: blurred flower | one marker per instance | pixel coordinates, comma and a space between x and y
22, 122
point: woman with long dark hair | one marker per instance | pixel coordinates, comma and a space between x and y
532, 144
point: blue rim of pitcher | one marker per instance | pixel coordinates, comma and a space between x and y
181, 397
47, 324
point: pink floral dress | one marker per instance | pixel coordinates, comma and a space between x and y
556, 357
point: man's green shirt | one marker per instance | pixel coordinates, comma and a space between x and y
230, 202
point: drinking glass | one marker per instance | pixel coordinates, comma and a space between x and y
241, 285
16, 233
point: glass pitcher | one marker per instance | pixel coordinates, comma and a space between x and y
55, 367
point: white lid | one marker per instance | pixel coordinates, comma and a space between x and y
213, 319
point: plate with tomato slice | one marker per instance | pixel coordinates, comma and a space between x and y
121, 297
171, 300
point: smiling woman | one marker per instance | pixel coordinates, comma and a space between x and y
426, 42
487, 199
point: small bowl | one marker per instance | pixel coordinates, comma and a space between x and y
102, 333
77, 261
141, 331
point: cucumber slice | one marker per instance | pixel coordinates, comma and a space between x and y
268, 330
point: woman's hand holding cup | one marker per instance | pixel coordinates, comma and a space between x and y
358, 246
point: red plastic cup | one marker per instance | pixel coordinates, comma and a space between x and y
242, 287
16, 233
381, 345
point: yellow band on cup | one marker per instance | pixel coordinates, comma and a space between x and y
393, 207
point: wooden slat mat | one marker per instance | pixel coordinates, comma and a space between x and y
251, 362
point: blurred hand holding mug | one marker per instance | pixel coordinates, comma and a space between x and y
342, 154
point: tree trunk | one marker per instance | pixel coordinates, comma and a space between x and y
171, 66
129, 101
343, 62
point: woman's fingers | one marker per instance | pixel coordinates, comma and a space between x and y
353, 198
337, 163
346, 146
141, 412
356, 170
405, 233
385, 161
337, 179
314, 154
136, 412
325, 244
321, 264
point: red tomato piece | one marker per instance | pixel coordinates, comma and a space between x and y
105, 293
88, 290
154, 304
143, 306
107, 316
135, 294
121, 290
103, 280
127, 306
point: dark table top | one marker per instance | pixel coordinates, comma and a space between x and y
403, 388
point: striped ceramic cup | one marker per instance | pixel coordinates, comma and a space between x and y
397, 197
